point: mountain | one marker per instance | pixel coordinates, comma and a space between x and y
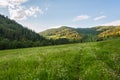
82, 34
62, 32
89, 34
14, 35
109, 31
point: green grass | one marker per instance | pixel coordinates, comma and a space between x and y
86, 61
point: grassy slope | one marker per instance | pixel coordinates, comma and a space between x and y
87, 61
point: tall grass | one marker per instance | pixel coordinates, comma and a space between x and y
87, 61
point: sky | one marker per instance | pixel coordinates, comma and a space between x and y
40, 15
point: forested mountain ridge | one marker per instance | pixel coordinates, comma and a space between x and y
86, 34
62, 32
80, 34
108, 31
11, 30
14, 35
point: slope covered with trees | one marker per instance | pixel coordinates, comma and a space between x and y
109, 32
83, 34
62, 32
79, 34
14, 35
89, 34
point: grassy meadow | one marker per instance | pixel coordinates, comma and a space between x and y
82, 61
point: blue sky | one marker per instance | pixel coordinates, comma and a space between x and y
40, 15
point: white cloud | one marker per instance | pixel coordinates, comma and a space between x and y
81, 17
22, 13
19, 12
113, 23
11, 3
99, 17
3, 3
17, 2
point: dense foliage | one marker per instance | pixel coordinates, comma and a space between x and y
89, 34
83, 34
62, 32
14, 35
109, 32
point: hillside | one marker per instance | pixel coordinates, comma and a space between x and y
14, 35
62, 32
83, 61
82, 34
89, 34
111, 31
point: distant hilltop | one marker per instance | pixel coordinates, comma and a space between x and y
84, 34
